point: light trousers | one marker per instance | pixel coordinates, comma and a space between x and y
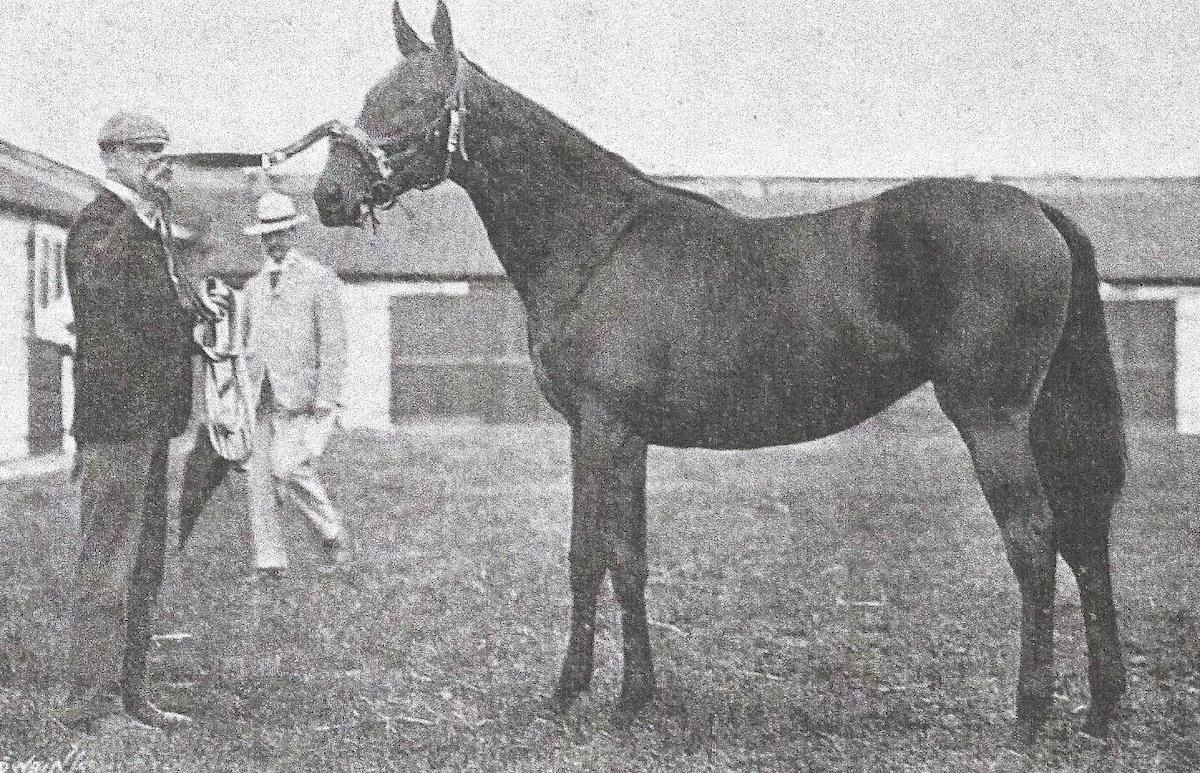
282, 471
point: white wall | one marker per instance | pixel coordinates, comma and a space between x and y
368, 390
51, 322
14, 351
1187, 345
68, 403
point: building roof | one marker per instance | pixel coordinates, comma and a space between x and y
1145, 231
33, 184
1143, 228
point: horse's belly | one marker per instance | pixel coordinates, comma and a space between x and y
737, 412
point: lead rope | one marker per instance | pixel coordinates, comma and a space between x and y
228, 408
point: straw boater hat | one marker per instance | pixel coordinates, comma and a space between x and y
275, 212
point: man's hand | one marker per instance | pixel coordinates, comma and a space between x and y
218, 297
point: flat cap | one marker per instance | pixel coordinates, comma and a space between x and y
125, 127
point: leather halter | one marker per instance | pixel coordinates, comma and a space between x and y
383, 157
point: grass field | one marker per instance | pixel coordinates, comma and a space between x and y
839, 606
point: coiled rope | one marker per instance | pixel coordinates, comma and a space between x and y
228, 404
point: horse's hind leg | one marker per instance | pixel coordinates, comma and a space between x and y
1078, 439
1081, 495
608, 531
999, 443
1088, 558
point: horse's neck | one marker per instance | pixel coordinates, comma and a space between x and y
552, 201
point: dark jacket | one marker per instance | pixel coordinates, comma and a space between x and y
133, 373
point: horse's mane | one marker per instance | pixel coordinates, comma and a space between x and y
578, 156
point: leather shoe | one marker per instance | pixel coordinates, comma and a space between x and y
118, 724
337, 553
147, 713
87, 706
266, 575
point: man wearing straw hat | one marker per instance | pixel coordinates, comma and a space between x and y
134, 307
296, 359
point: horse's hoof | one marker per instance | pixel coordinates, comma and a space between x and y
622, 720
148, 714
632, 702
1024, 734
572, 681
1100, 721
552, 709
627, 712
563, 698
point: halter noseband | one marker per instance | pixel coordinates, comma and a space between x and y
383, 157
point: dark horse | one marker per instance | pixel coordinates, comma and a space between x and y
657, 316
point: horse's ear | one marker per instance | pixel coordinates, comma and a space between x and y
406, 39
443, 36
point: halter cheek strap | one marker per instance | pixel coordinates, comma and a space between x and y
456, 103
454, 114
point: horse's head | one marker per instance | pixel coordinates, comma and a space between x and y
399, 141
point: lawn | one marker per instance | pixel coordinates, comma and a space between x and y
839, 606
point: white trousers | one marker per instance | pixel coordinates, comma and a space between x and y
281, 471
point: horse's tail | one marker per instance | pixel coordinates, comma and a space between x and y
1078, 432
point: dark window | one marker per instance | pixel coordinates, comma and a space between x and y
60, 270
43, 267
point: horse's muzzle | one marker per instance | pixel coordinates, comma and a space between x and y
334, 208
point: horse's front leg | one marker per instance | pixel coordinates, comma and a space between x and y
608, 531
625, 524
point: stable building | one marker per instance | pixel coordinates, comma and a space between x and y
39, 199
439, 332
436, 330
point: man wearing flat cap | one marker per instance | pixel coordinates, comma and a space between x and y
134, 311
